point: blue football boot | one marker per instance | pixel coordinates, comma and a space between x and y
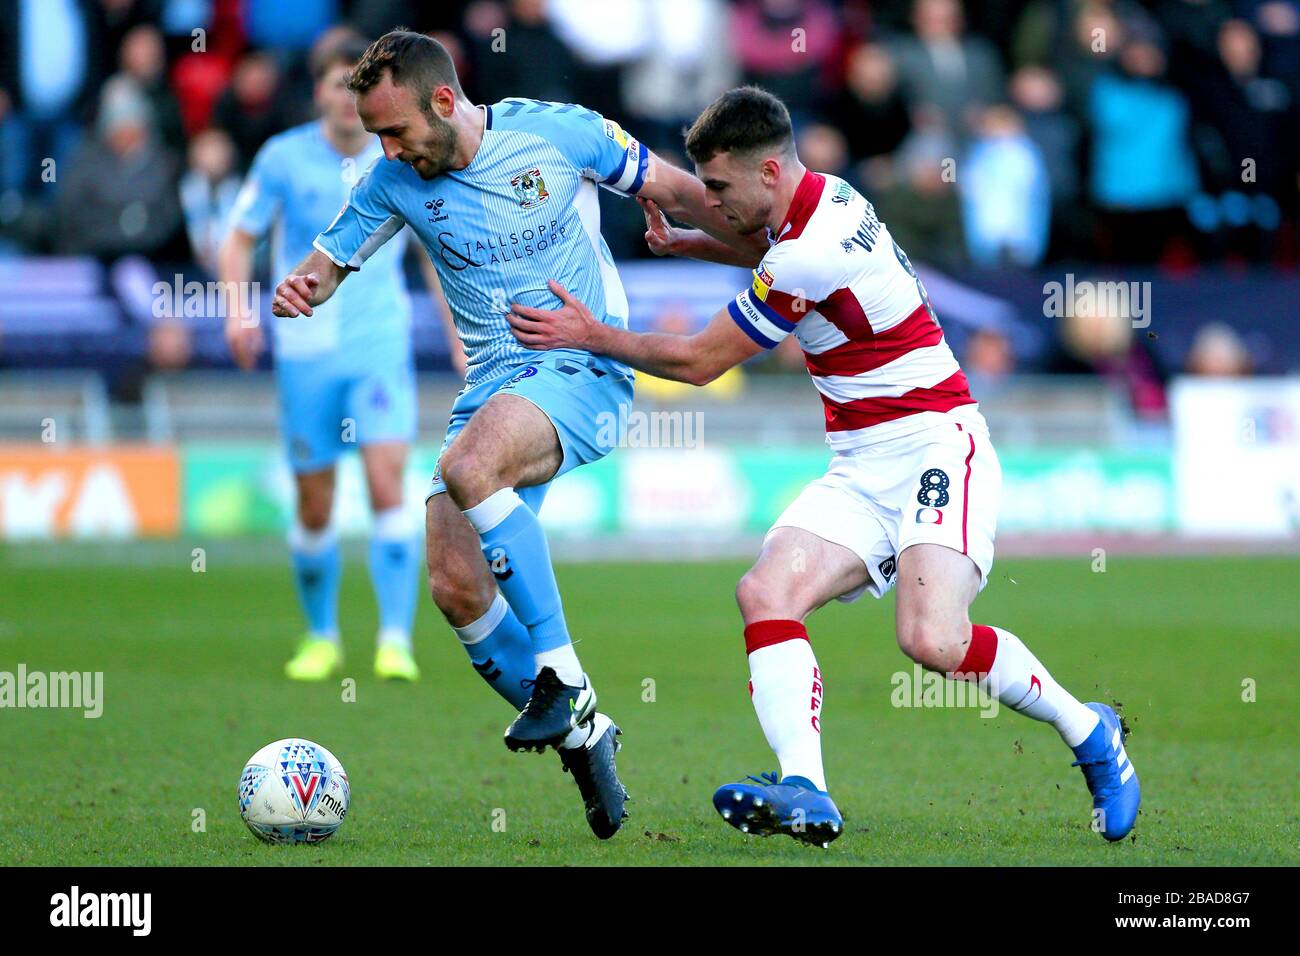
553, 710
792, 806
1110, 775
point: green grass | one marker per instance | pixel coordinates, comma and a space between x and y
193, 686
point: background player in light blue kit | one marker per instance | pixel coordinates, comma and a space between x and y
504, 198
345, 377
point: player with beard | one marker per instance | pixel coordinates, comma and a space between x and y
504, 197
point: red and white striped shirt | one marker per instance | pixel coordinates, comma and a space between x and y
837, 280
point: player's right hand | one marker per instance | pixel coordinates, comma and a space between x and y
568, 327
245, 341
293, 295
659, 235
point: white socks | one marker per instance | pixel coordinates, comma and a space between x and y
564, 661
786, 689
1007, 670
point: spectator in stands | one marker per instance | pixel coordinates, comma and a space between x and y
1141, 170
1218, 351
1245, 133
603, 46
1096, 339
1278, 22
914, 192
208, 190
1005, 193
374, 18
987, 360
988, 355
288, 24
250, 110
1257, 115
515, 52
944, 68
1192, 27
120, 194
870, 111
1077, 39
823, 148
686, 64
143, 60
48, 81
1039, 97
784, 46
171, 345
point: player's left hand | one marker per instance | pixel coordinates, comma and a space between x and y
660, 235
568, 327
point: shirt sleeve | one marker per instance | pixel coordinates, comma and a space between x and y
261, 195
780, 294
601, 149
364, 224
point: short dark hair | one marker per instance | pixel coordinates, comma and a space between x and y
418, 62
743, 120
347, 50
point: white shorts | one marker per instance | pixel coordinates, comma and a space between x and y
941, 485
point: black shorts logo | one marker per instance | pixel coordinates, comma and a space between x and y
934, 489
888, 567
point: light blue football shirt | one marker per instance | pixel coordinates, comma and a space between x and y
523, 211
297, 184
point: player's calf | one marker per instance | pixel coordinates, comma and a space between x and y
796, 573
933, 642
461, 598
466, 593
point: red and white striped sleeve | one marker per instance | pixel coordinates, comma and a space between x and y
784, 288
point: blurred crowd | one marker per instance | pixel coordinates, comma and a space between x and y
998, 133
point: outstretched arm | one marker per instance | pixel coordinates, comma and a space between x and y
696, 359
311, 283
682, 196
665, 239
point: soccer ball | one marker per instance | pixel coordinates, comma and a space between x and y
293, 791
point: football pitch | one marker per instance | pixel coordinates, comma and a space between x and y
192, 685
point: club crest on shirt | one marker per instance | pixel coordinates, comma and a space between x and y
530, 188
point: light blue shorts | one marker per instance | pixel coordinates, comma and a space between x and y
580, 393
336, 402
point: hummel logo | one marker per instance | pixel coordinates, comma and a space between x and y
435, 206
